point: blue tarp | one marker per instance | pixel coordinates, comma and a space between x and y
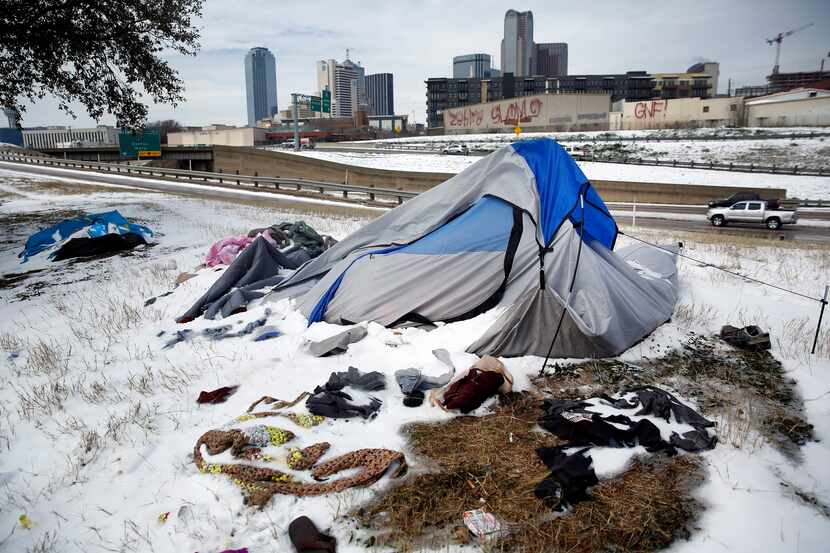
485, 227
560, 181
97, 224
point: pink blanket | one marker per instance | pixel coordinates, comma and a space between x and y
225, 250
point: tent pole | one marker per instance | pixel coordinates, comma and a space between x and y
571, 287
820, 316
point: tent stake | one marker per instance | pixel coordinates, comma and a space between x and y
820, 316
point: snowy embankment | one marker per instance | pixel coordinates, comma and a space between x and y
813, 188
98, 420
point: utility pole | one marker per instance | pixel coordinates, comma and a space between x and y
296, 122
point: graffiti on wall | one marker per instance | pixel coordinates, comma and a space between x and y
517, 111
510, 113
648, 110
466, 117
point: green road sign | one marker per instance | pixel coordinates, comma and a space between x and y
146, 144
314, 103
326, 101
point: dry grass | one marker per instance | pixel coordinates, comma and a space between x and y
490, 462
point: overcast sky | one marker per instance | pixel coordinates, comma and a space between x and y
416, 39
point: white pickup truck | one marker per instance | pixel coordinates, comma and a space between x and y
752, 212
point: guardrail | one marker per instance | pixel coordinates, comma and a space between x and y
202, 177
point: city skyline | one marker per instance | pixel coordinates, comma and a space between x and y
651, 36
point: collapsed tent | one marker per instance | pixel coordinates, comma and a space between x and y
522, 229
91, 235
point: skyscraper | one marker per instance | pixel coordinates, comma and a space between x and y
551, 59
517, 44
474, 66
379, 90
260, 84
346, 81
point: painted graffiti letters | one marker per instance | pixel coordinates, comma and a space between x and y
647, 110
466, 117
517, 111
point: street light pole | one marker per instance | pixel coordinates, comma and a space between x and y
296, 123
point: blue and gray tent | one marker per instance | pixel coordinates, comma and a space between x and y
522, 230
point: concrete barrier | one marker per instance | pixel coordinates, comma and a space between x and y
250, 161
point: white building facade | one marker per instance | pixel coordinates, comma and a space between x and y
63, 137
804, 107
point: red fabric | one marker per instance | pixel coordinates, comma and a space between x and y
468, 393
220, 395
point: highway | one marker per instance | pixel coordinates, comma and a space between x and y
813, 225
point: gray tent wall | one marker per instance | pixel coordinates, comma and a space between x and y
611, 307
616, 300
503, 174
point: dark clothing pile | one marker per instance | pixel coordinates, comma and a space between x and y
570, 420
99, 246
749, 337
571, 476
247, 278
575, 422
302, 236
331, 401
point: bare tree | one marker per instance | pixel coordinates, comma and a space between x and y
165, 126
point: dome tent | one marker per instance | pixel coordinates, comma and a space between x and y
522, 229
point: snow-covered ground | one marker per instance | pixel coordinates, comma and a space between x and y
98, 421
729, 147
813, 188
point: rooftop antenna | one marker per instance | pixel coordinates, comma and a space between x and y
347, 53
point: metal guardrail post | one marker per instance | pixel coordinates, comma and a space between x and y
256, 174
237, 180
220, 178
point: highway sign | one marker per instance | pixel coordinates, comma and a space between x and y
326, 101
144, 144
314, 103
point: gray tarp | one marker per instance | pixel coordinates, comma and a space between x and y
256, 268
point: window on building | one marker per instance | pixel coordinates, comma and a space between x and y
733, 107
705, 109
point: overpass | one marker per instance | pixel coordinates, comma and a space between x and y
194, 158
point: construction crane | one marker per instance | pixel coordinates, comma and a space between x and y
777, 41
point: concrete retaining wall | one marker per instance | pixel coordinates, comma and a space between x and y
249, 161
